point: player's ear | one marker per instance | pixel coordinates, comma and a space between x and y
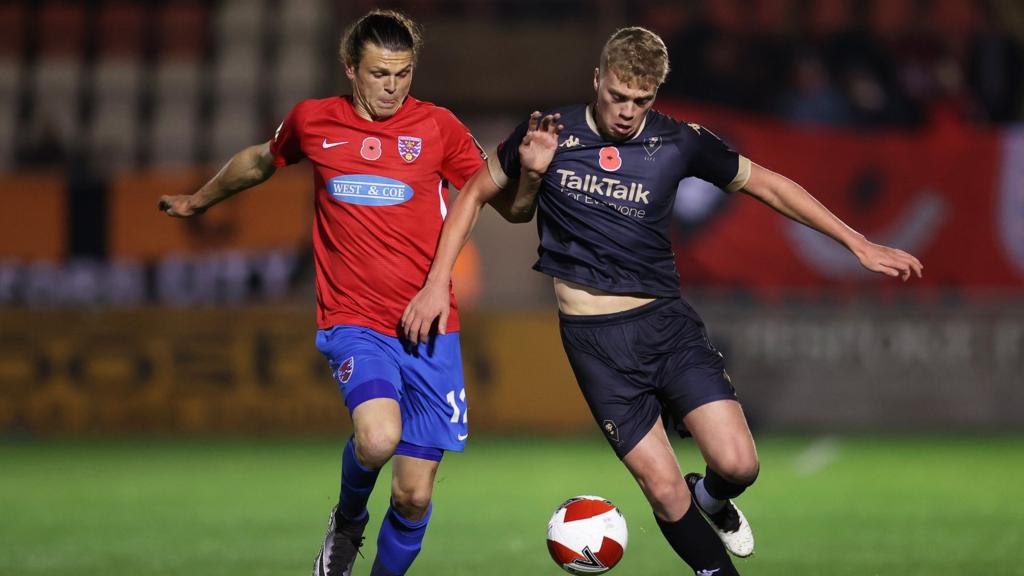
350, 71
597, 78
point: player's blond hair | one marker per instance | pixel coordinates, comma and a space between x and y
387, 29
637, 56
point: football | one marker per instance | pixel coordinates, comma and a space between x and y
587, 535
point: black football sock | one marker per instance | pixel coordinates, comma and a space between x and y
720, 488
697, 544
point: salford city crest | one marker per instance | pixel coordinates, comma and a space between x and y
651, 145
409, 148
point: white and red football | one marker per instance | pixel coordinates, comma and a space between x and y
587, 535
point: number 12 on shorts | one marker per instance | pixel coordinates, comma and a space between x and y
456, 410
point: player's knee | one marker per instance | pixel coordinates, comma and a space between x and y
665, 495
411, 502
375, 447
741, 471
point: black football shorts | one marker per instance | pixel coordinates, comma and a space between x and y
631, 366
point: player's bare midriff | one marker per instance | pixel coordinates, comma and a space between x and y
578, 300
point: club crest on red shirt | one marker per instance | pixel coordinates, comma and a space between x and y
409, 147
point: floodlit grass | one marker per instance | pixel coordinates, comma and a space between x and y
838, 506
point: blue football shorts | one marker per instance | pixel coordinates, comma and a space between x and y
425, 381
637, 365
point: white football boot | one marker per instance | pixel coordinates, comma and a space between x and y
729, 523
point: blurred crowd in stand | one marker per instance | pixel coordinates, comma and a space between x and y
873, 63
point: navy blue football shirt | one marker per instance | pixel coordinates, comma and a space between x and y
604, 208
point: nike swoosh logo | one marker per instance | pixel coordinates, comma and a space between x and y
463, 437
333, 144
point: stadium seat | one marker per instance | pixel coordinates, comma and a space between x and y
117, 83
56, 77
240, 21
295, 76
114, 126
173, 136
8, 112
182, 30
302, 19
61, 29
120, 29
11, 50
177, 80
12, 29
234, 128
178, 83
56, 86
237, 74
177, 88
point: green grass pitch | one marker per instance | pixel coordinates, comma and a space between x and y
835, 506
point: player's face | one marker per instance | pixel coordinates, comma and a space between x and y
621, 107
380, 81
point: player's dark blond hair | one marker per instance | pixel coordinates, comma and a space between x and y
637, 56
387, 29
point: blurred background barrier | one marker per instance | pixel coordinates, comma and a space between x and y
253, 369
799, 366
903, 116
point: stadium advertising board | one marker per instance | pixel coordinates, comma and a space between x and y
951, 197
255, 370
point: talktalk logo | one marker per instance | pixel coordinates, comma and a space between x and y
604, 186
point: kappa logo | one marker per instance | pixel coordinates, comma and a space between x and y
344, 373
589, 563
409, 148
652, 145
570, 142
611, 430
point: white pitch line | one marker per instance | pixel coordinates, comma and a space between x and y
818, 454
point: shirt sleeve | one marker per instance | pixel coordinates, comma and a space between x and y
504, 166
463, 155
286, 145
714, 161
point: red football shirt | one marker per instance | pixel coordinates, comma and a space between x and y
381, 199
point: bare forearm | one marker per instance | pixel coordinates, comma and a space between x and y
525, 202
518, 203
793, 201
459, 224
246, 169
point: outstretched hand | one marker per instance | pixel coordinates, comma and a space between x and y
430, 303
178, 206
540, 142
889, 261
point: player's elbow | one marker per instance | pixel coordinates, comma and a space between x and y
520, 214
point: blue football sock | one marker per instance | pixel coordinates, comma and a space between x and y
356, 484
398, 543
